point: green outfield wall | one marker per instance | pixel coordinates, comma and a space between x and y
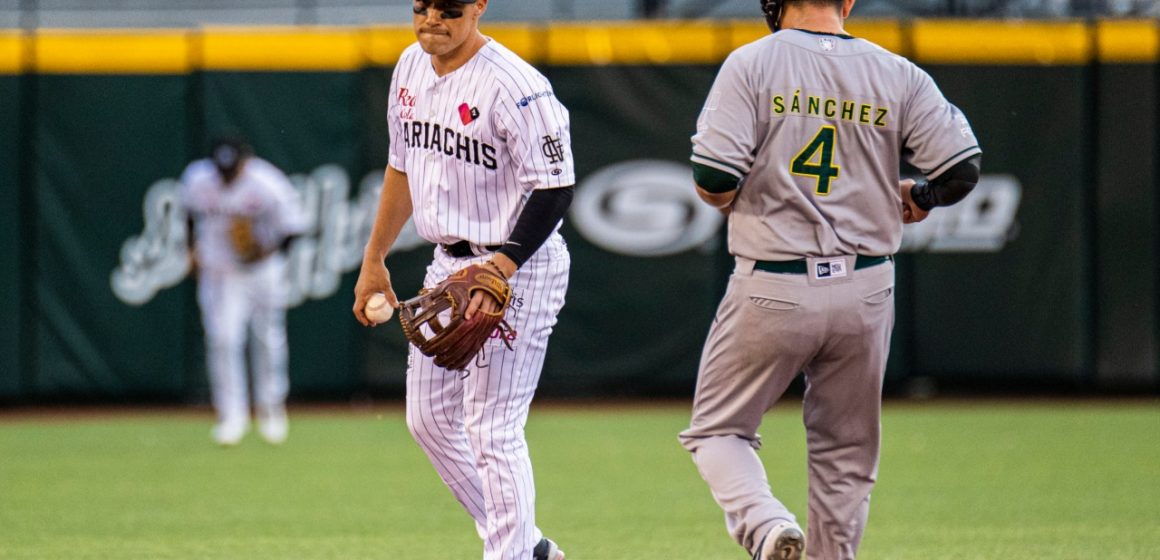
98, 138
1044, 277
1023, 310
1126, 224
10, 235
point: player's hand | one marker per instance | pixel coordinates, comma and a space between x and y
194, 265
723, 202
372, 277
481, 301
911, 213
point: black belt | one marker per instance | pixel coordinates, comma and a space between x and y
799, 266
462, 249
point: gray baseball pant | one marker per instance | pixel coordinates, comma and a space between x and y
769, 327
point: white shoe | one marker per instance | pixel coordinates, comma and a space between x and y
784, 541
273, 425
230, 433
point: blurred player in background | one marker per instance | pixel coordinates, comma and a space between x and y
480, 158
800, 142
243, 212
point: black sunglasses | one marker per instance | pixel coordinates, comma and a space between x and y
421, 6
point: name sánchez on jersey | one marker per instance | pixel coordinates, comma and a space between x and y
449, 142
830, 108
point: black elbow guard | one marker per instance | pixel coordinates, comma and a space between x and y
950, 187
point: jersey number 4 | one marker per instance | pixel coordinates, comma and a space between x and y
817, 160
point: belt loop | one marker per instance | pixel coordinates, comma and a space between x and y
744, 266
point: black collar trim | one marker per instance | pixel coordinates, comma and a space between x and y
838, 35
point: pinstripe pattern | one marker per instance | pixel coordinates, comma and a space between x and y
474, 144
475, 193
472, 427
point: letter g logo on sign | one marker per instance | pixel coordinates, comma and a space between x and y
643, 208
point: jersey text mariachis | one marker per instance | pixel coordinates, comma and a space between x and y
449, 142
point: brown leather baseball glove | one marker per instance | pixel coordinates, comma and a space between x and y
455, 344
243, 241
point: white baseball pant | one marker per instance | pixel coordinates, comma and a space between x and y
233, 303
471, 423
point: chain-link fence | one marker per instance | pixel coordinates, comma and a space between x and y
192, 13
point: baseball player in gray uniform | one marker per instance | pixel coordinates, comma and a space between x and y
480, 158
800, 142
243, 293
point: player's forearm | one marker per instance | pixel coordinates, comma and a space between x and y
717, 188
394, 211
543, 210
716, 200
950, 187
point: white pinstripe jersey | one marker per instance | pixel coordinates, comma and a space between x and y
261, 192
475, 142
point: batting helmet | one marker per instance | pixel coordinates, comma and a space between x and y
771, 9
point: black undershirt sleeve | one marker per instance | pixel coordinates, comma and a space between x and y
950, 187
544, 209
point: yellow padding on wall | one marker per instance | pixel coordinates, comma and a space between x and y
634, 43
11, 52
112, 52
523, 40
1001, 42
1129, 41
584, 44
385, 44
885, 33
287, 48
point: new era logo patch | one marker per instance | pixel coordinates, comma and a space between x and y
831, 269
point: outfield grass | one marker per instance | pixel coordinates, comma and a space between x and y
1056, 480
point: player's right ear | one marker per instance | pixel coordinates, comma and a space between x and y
846, 8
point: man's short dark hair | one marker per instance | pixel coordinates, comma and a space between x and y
837, 4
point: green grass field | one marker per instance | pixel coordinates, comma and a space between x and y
1019, 480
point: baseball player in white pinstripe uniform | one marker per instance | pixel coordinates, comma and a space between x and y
799, 142
237, 296
480, 158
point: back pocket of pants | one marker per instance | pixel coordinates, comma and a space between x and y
773, 304
881, 295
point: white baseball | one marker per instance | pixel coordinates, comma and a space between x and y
377, 309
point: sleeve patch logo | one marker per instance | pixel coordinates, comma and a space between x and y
553, 149
525, 101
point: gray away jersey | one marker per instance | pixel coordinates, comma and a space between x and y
815, 126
